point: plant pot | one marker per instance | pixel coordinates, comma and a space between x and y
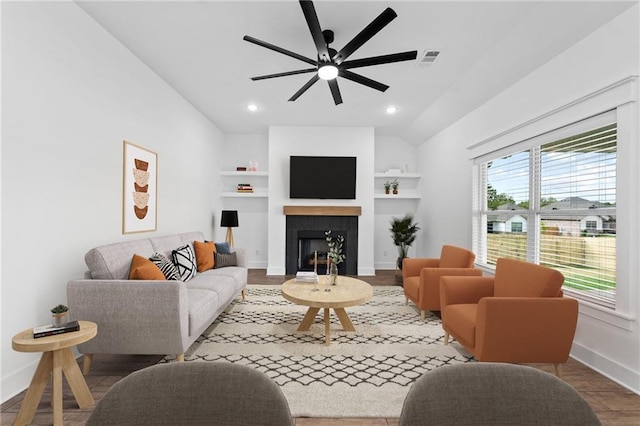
395, 192
399, 262
58, 319
386, 191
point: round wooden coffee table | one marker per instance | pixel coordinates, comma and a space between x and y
348, 292
56, 359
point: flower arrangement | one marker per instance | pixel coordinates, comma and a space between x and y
394, 185
335, 247
387, 187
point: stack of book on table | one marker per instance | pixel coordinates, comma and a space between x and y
244, 187
307, 277
50, 330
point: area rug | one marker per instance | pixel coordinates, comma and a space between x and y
363, 374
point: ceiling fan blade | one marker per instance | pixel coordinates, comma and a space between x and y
316, 32
363, 36
304, 88
335, 91
279, 50
378, 60
284, 74
363, 80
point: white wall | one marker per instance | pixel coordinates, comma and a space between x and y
70, 95
608, 342
331, 141
394, 153
251, 233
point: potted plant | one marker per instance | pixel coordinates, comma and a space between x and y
403, 233
60, 314
394, 185
387, 187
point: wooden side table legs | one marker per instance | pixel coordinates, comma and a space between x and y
54, 364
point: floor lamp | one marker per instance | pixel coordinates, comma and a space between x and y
229, 219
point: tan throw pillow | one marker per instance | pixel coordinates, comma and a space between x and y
204, 255
144, 269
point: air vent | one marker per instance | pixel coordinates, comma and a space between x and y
428, 57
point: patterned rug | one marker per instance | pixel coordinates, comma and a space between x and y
363, 374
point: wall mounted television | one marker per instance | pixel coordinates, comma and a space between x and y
322, 177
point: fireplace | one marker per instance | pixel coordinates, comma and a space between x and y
306, 237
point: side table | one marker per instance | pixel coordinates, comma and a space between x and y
56, 359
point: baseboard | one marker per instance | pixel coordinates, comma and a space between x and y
607, 367
257, 264
18, 381
366, 271
275, 271
385, 265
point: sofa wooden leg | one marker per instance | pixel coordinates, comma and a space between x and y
422, 314
86, 363
446, 338
180, 358
244, 294
558, 369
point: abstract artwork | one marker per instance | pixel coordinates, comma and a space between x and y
139, 191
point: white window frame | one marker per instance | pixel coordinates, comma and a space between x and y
622, 97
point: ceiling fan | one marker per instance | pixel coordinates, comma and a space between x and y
330, 63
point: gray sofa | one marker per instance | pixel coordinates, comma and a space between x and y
149, 317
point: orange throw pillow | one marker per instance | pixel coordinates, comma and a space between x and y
204, 255
144, 269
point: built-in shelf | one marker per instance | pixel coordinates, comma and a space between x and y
244, 195
235, 173
397, 175
400, 196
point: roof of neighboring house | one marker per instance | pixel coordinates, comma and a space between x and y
504, 212
572, 203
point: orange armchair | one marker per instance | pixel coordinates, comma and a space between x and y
518, 316
421, 277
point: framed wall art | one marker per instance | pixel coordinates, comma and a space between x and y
139, 190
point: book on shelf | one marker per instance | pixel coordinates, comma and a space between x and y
307, 277
244, 190
51, 330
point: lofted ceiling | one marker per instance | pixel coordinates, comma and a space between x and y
197, 48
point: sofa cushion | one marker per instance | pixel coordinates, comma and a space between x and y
165, 245
224, 260
203, 306
205, 255
113, 261
166, 266
223, 248
185, 260
144, 269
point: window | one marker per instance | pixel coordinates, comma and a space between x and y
556, 194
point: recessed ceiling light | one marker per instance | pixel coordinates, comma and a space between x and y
391, 109
252, 107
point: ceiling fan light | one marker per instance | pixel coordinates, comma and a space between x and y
328, 72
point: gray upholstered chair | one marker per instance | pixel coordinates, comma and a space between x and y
193, 393
494, 394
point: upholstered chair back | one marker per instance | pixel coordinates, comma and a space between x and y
515, 278
456, 257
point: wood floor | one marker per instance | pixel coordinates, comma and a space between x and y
613, 404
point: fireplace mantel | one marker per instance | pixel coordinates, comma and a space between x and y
322, 210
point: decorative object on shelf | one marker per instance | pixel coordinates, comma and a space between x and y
403, 233
229, 219
244, 188
334, 256
60, 314
394, 185
387, 187
140, 190
241, 169
253, 166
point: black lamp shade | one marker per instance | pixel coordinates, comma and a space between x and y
229, 219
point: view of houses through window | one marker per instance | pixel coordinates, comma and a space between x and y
555, 204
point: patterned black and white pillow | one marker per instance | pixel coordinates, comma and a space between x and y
185, 260
166, 266
225, 259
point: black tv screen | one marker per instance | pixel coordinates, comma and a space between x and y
322, 177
